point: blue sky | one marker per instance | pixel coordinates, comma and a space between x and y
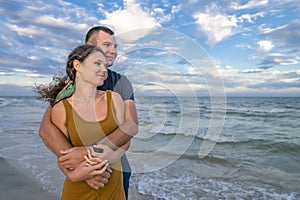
244, 48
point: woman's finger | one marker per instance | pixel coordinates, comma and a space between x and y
93, 158
100, 168
91, 162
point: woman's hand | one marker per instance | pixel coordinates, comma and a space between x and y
106, 153
84, 171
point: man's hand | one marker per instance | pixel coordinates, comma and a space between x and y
72, 157
99, 181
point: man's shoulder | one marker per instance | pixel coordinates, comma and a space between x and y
113, 73
116, 77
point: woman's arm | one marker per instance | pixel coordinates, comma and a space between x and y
108, 154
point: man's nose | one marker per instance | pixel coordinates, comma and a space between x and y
112, 49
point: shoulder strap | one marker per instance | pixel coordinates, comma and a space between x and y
109, 99
68, 108
110, 104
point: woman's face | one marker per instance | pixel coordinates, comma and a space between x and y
93, 69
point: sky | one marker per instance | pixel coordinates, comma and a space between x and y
166, 47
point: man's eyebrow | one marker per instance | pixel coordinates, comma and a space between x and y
107, 42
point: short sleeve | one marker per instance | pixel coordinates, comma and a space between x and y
124, 88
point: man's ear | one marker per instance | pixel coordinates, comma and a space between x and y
76, 64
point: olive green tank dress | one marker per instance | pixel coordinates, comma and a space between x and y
83, 133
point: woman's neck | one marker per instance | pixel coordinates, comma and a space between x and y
85, 93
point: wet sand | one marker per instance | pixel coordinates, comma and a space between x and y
15, 185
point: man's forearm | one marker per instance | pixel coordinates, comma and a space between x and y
116, 139
51, 135
123, 134
126, 131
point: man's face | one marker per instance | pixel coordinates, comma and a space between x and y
108, 45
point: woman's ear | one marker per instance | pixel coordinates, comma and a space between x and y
76, 64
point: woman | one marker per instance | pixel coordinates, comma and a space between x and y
86, 117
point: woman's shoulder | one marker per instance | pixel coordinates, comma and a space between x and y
59, 106
116, 96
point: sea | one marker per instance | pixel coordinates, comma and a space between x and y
247, 148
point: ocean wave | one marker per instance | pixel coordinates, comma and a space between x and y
278, 147
4, 102
260, 144
163, 185
263, 144
250, 112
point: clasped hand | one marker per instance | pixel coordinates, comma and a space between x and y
94, 170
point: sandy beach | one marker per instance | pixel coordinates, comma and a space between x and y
16, 185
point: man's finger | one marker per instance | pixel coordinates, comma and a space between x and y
106, 174
64, 158
66, 151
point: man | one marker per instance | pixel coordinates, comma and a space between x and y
70, 157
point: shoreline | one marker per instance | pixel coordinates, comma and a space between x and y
17, 185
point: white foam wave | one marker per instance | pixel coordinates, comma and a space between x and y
192, 187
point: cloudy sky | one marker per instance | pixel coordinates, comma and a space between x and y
240, 47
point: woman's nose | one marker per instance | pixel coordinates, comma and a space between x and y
103, 68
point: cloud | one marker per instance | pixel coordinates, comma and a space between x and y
278, 59
176, 9
215, 27
131, 22
251, 4
286, 38
264, 46
247, 71
250, 18
286, 35
39, 36
282, 84
269, 82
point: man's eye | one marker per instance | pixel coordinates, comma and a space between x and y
97, 63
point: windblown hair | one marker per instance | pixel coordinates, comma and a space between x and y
92, 34
48, 92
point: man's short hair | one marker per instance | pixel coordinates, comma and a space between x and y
96, 29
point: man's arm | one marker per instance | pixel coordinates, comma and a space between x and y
126, 131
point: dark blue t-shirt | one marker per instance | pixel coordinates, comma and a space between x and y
118, 83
